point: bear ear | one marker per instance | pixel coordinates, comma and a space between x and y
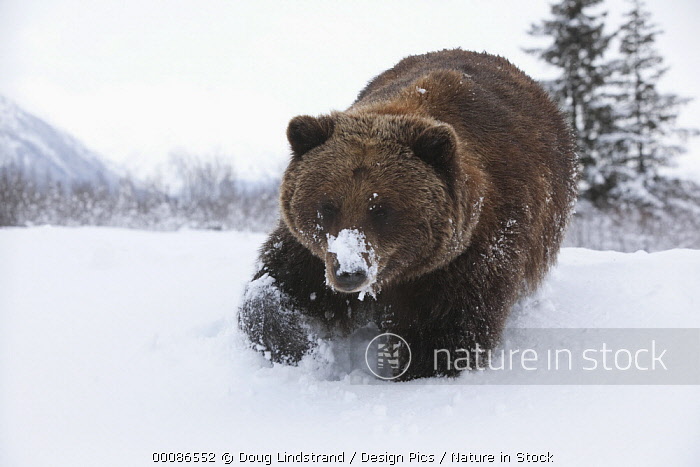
437, 146
305, 133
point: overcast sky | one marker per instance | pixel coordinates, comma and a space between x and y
136, 80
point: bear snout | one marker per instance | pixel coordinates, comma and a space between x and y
349, 281
347, 277
351, 263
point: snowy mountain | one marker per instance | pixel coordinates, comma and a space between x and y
46, 152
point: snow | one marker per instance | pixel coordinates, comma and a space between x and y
354, 254
262, 283
116, 344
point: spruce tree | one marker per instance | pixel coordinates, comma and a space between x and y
579, 43
646, 135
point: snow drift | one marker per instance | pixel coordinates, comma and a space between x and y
119, 344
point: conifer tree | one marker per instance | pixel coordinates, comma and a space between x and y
578, 46
646, 135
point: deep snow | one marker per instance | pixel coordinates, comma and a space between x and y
116, 344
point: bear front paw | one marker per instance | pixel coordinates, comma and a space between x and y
273, 324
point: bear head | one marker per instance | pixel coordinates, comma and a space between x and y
376, 197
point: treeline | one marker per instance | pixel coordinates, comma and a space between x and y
608, 84
207, 195
200, 194
668, 218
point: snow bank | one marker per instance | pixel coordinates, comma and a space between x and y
116, 344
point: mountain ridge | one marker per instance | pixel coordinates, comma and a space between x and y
46, 152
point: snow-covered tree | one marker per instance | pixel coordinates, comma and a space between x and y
646, 135
578, 46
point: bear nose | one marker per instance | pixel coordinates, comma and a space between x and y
349, 281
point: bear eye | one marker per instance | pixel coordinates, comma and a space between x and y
380, 214
327, 211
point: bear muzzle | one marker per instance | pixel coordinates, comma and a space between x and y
349, 281
351, 263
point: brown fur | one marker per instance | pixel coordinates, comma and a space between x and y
474, 171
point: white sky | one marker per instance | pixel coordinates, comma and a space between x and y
136, 80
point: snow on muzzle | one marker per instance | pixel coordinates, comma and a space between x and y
351, 263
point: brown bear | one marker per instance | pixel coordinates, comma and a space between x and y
428, 208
